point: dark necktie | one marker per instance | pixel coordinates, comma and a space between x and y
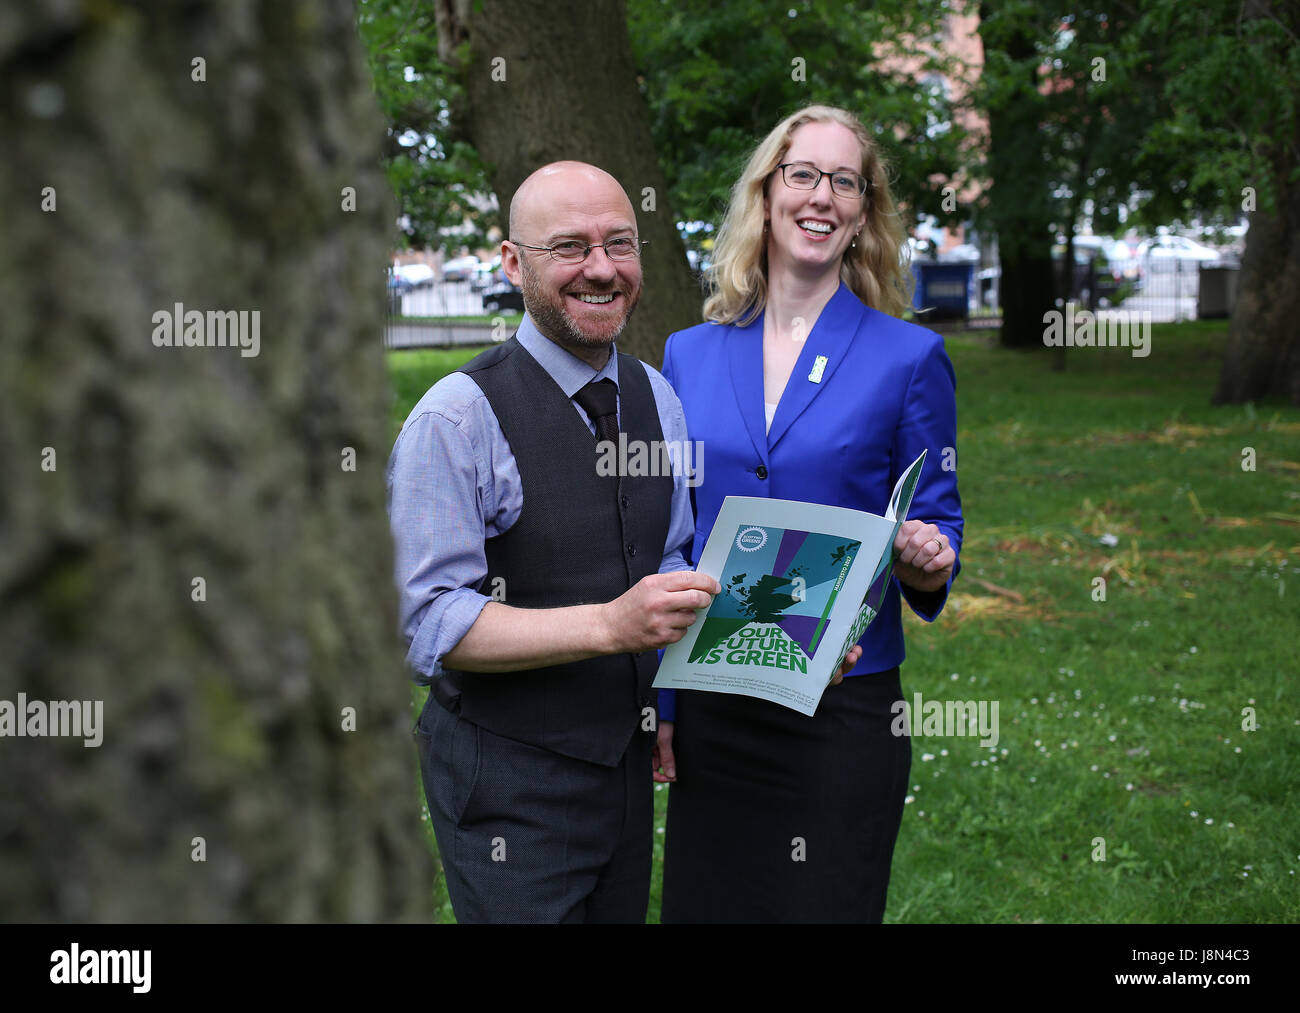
600, 401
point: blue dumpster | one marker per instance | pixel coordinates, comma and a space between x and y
945, 290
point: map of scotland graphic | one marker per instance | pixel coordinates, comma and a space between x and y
760, 585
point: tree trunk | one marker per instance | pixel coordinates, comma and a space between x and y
1263, 354
569, 92
1019, 198
1025, 297
179, 536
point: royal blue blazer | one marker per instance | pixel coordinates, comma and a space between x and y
887, 392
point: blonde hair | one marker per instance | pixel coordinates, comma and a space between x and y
874, 269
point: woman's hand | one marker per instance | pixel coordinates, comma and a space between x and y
925, 559
846, 666
663, 755
663, 765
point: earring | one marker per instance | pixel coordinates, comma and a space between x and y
854, 244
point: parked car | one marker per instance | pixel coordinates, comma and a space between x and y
986, 285
1112, 284
1096, 246
460, 268
1167, 253
397, 285
503, 297
1115, 274
487, 274
415, 275
1115, 251
1122, 258
920, 249
964, 253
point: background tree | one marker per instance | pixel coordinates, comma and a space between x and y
555, 81
1101, 95
1233, 143
442, 186
718, 77
1195, 121
715, 79
1068, 91
1020, 206
179, 535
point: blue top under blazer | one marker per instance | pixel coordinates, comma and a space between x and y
887, 392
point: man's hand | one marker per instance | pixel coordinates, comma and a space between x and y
657, 611
663, 755
925, 559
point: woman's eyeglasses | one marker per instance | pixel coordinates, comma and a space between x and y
806, 176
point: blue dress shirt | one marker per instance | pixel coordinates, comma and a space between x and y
868, 393
453, 483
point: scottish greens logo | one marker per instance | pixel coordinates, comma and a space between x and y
751, 539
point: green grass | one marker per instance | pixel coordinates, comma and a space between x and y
1145, 690
414, 370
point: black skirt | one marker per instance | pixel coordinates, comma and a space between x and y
778, 817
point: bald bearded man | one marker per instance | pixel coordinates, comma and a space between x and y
534, 588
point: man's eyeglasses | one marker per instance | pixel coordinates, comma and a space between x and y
806, 176
570, 251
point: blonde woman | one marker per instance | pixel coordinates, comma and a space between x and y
803, 384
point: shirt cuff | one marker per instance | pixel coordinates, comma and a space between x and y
928, 604
445, 624
674, 562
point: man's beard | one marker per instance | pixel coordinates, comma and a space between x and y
552, 319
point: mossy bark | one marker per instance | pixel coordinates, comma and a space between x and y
223, 711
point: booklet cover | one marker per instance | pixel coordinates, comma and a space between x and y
800, 584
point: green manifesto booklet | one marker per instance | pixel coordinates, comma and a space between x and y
800, 584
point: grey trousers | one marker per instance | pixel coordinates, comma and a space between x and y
528, 835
